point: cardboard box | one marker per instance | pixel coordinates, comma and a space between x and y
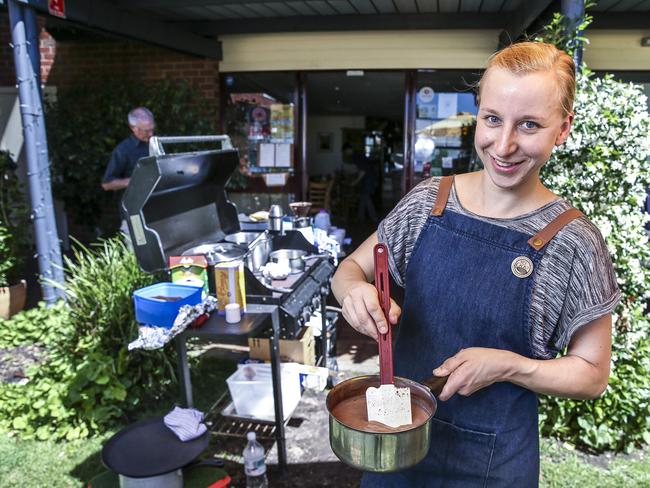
189, 270
301, 350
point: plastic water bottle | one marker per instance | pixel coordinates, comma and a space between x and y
254, 466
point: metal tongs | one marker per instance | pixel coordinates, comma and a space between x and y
387, 404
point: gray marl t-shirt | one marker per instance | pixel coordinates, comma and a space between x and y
575, 282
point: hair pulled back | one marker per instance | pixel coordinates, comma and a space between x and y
532, 57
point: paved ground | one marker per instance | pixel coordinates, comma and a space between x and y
311, 462
307, 434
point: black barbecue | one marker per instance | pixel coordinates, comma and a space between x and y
177, 201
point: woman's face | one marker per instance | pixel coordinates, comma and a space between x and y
519, 122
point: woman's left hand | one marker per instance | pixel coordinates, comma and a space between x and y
474, 368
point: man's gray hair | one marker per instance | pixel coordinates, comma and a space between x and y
140, 114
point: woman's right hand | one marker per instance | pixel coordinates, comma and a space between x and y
362, 310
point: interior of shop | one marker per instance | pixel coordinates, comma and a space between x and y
352, 143
363, 112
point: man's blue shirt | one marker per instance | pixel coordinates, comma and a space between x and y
124, 157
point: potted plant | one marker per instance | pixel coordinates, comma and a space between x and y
14, 219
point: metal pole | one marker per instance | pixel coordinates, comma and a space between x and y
41, 144
27, 92
574, 12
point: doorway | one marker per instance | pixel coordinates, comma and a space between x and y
355, 141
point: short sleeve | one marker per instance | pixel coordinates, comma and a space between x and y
402, 226
593, 290
116, 166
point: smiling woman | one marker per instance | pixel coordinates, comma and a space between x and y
500, 276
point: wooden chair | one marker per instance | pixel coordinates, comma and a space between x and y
320, 195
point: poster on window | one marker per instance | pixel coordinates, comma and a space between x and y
447, 105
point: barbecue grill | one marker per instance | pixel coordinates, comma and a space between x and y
175, 202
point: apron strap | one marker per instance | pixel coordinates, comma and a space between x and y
544, 236
443, 195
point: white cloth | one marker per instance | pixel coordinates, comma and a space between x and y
186, 423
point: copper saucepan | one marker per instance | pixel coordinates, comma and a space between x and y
382, 451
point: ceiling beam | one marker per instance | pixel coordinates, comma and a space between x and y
320, 23
521, 19
103, 16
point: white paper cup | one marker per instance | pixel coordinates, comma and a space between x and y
233, 313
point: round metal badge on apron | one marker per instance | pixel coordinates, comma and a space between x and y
469, 284
522, 267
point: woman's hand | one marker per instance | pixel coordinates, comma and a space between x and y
362, 310
474, 368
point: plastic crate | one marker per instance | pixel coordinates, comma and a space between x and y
251, 389
160, 312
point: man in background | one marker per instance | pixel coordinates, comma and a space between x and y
367, 179
126, 153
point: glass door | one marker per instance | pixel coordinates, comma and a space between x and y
445, 108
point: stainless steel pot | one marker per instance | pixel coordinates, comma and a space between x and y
381, 452
293, 258
258, 245
217, 253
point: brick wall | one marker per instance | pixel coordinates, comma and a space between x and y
7, 71
66, 61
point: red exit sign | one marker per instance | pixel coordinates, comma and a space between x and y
56, 8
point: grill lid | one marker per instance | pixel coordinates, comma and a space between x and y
176, 201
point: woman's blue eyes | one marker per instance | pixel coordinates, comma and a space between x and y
526, 124
530, 125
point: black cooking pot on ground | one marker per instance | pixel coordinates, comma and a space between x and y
148, 454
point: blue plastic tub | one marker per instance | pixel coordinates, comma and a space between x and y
159, 312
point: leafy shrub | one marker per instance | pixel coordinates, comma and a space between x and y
89, 380
40, 325
87, 121
14, 217
602, 169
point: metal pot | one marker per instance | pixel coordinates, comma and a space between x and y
293, 258
258, 245
382, 452
216, 253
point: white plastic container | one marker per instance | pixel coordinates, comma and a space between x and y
251, 390
322, 220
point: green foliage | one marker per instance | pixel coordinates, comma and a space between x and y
14, 219
619, 420
87, 121
40, 325
89, 380
604, 171
563, 467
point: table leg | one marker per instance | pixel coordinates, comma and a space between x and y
184, 371
324, 292
276, 374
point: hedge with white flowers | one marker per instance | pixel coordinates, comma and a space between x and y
603, 169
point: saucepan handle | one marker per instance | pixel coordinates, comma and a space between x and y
436, 384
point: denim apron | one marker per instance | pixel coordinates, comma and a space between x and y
466, 287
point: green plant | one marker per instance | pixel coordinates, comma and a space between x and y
89, 380
14, 218
602, 169
87, 121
